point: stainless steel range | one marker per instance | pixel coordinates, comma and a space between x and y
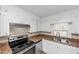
21, 44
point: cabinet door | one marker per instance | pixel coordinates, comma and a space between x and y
50, 47
65, 49
39, 47
0, 24
4, 24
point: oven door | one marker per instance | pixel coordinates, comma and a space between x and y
30, 51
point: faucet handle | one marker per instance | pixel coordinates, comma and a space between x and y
58, 34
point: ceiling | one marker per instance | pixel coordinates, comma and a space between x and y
47, 10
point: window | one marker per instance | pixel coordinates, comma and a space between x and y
61, 28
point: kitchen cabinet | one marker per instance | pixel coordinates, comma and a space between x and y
22, 17
39, 47
51, 47
4, 25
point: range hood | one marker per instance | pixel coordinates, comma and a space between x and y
19, 29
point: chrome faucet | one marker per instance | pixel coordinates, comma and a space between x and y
58, 36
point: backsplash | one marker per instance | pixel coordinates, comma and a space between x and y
19, 29
3, 39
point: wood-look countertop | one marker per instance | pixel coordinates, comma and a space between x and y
72, 42
4, 46
5, 49
39, 37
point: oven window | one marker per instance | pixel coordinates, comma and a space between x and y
30, 51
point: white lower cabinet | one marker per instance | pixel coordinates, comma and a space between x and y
51, 47
39, 48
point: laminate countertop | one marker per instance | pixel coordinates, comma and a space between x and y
5, 49
39, 37
4, 46
71, 41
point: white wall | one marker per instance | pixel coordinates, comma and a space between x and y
19, 15
72, 15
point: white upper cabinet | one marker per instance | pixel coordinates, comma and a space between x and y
4, 25
19, 15
15, 14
